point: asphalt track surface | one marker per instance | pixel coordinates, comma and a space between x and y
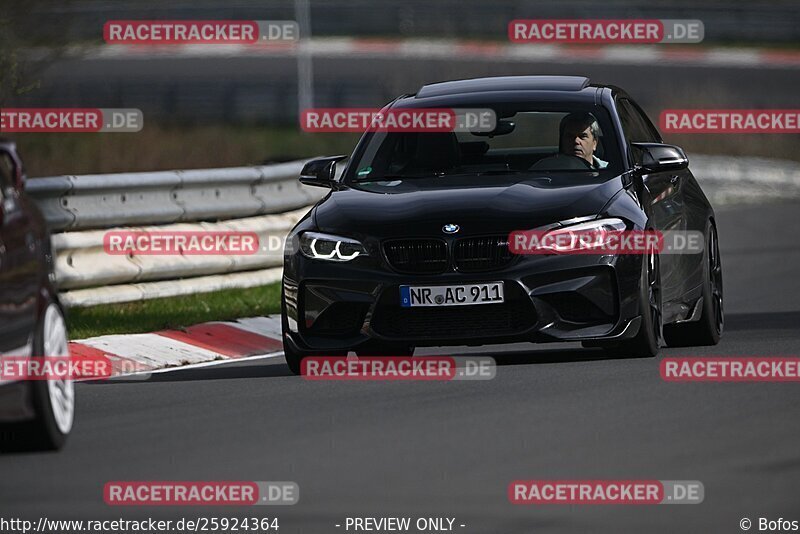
451, 448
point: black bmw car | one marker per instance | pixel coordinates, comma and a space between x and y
34, 414
417, 218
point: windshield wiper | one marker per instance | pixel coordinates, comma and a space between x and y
436, 175
398, 177
498, 172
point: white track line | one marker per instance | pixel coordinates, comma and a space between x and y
143, 375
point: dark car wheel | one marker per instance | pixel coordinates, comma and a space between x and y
53, 400
708, 329
647, 340
294, 358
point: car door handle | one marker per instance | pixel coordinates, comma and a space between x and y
675, 179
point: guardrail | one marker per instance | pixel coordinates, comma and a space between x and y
108, 200
267, 200
87, 275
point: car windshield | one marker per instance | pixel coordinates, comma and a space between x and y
556, 144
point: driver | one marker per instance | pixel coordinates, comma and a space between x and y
578, 135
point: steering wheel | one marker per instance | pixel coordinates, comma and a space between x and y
562, 162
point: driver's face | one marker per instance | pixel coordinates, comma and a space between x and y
580, 143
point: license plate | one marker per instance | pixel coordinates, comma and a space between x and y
460, 295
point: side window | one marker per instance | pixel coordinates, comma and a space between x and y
635, 128
649, 130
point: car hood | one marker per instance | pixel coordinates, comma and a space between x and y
409, 208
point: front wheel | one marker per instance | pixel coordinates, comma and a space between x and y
294, 358
646, 342
708, 329
53, 400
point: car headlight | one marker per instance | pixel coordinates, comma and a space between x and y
330, 247
585, 236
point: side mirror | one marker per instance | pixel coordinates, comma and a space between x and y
655, 157
321, 172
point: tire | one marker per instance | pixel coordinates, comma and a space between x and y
294, 358
647, 340
53, 400
708, 329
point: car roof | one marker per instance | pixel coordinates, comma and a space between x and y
505, 83
510, 88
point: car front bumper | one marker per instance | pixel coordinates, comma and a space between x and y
345, 306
